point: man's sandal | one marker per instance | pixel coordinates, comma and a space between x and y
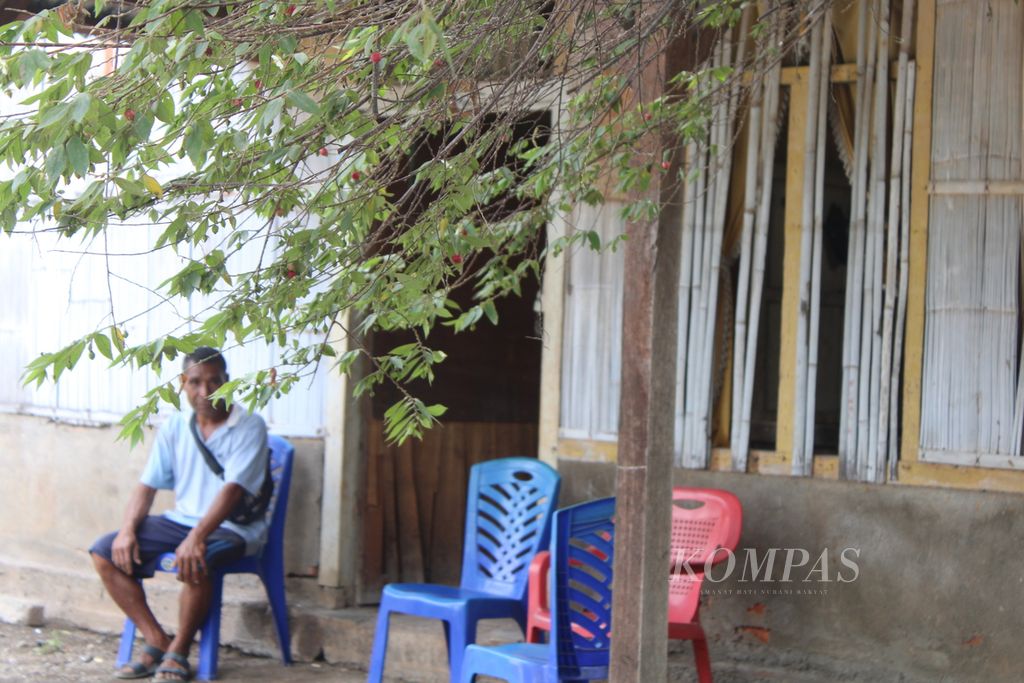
140, 670
184, 673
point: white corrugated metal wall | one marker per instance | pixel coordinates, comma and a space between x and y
54, 291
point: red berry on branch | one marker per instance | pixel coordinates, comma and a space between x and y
356, 176
456, 258
647, 116
290, 274
665, 165
374, 57
438, 63
323, 151
129, 114
290, 10
237, 102
258, 84
209, 52
280, 211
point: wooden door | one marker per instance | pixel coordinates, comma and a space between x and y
415, 494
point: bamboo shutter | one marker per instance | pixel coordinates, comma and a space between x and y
592, 336
972, 410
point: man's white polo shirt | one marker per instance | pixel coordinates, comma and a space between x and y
175, 463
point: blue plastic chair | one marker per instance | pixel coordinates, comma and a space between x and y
508, 519
268, 565
579, 647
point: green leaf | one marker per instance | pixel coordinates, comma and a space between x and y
55, 114
144, 126
195, 146
102, 344
437, 410
31, 63
56, 162
80, 107
165, 108
303, 101
78, 155
194, 23
271, 111
132, 432
490, 311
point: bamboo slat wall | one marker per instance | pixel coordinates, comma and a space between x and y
972, 403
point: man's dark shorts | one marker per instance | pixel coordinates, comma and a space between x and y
159, 535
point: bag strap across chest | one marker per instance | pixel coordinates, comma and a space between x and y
211, 461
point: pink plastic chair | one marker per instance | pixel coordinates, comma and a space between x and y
705, 524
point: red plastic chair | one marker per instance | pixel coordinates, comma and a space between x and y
705, 524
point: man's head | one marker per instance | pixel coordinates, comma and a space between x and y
203, 372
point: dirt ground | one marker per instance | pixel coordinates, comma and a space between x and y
66, 655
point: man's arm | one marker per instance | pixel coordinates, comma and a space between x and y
190, 556
125, 549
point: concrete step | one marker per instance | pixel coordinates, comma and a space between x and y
417, 652
416, 647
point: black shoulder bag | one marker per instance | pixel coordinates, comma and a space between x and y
251, 507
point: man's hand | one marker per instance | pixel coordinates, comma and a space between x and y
125, 550
190, 558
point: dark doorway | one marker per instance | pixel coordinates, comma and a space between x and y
415, 494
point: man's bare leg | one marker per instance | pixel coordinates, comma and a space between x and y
129, 596
193, 604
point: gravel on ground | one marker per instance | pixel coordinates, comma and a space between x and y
69, 655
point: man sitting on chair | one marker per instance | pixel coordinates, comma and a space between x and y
196, 530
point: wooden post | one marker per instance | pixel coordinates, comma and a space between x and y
344, 471
798, 92
643, 478
553, 310
649, 355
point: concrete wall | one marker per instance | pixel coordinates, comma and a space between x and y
61, 486
938, 596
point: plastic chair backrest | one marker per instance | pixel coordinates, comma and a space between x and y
508, 519
282, 455
704, 522
581, 619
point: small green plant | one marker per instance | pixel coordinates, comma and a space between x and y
51, 646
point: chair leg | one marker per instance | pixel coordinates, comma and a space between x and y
209, 638
380, 645
279, 609
468, 674
700, 654
124, 652
459, 633
471, 669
